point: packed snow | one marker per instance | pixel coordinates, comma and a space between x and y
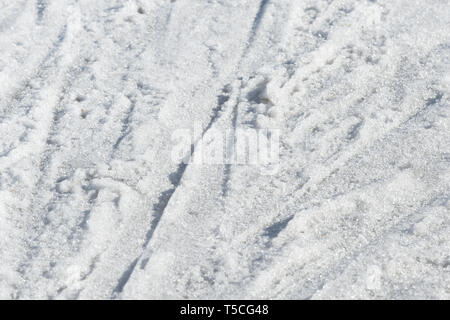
94, 206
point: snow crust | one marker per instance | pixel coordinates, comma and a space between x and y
93, 207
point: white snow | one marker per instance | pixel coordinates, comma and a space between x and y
93, 205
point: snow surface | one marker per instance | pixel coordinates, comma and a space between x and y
93, 207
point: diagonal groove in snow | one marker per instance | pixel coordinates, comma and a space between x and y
359, 89
43, 167
222, 99
41, 6
55, 112
227, 169
124, 278
255, 26
126, 123
257, 21
165, 197
274, 230
43, 72
163, 201
358, 148
175, 177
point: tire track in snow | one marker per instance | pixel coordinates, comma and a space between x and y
353, 133
126, 123
217, 112
29, 113
126, 130
177, 176
257, 21
165, 197
409, 219
51, 145
55, 77
228, 166
223, 99
44, 71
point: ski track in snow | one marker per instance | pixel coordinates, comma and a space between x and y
93, 207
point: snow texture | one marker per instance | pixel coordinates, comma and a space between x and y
93, 207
